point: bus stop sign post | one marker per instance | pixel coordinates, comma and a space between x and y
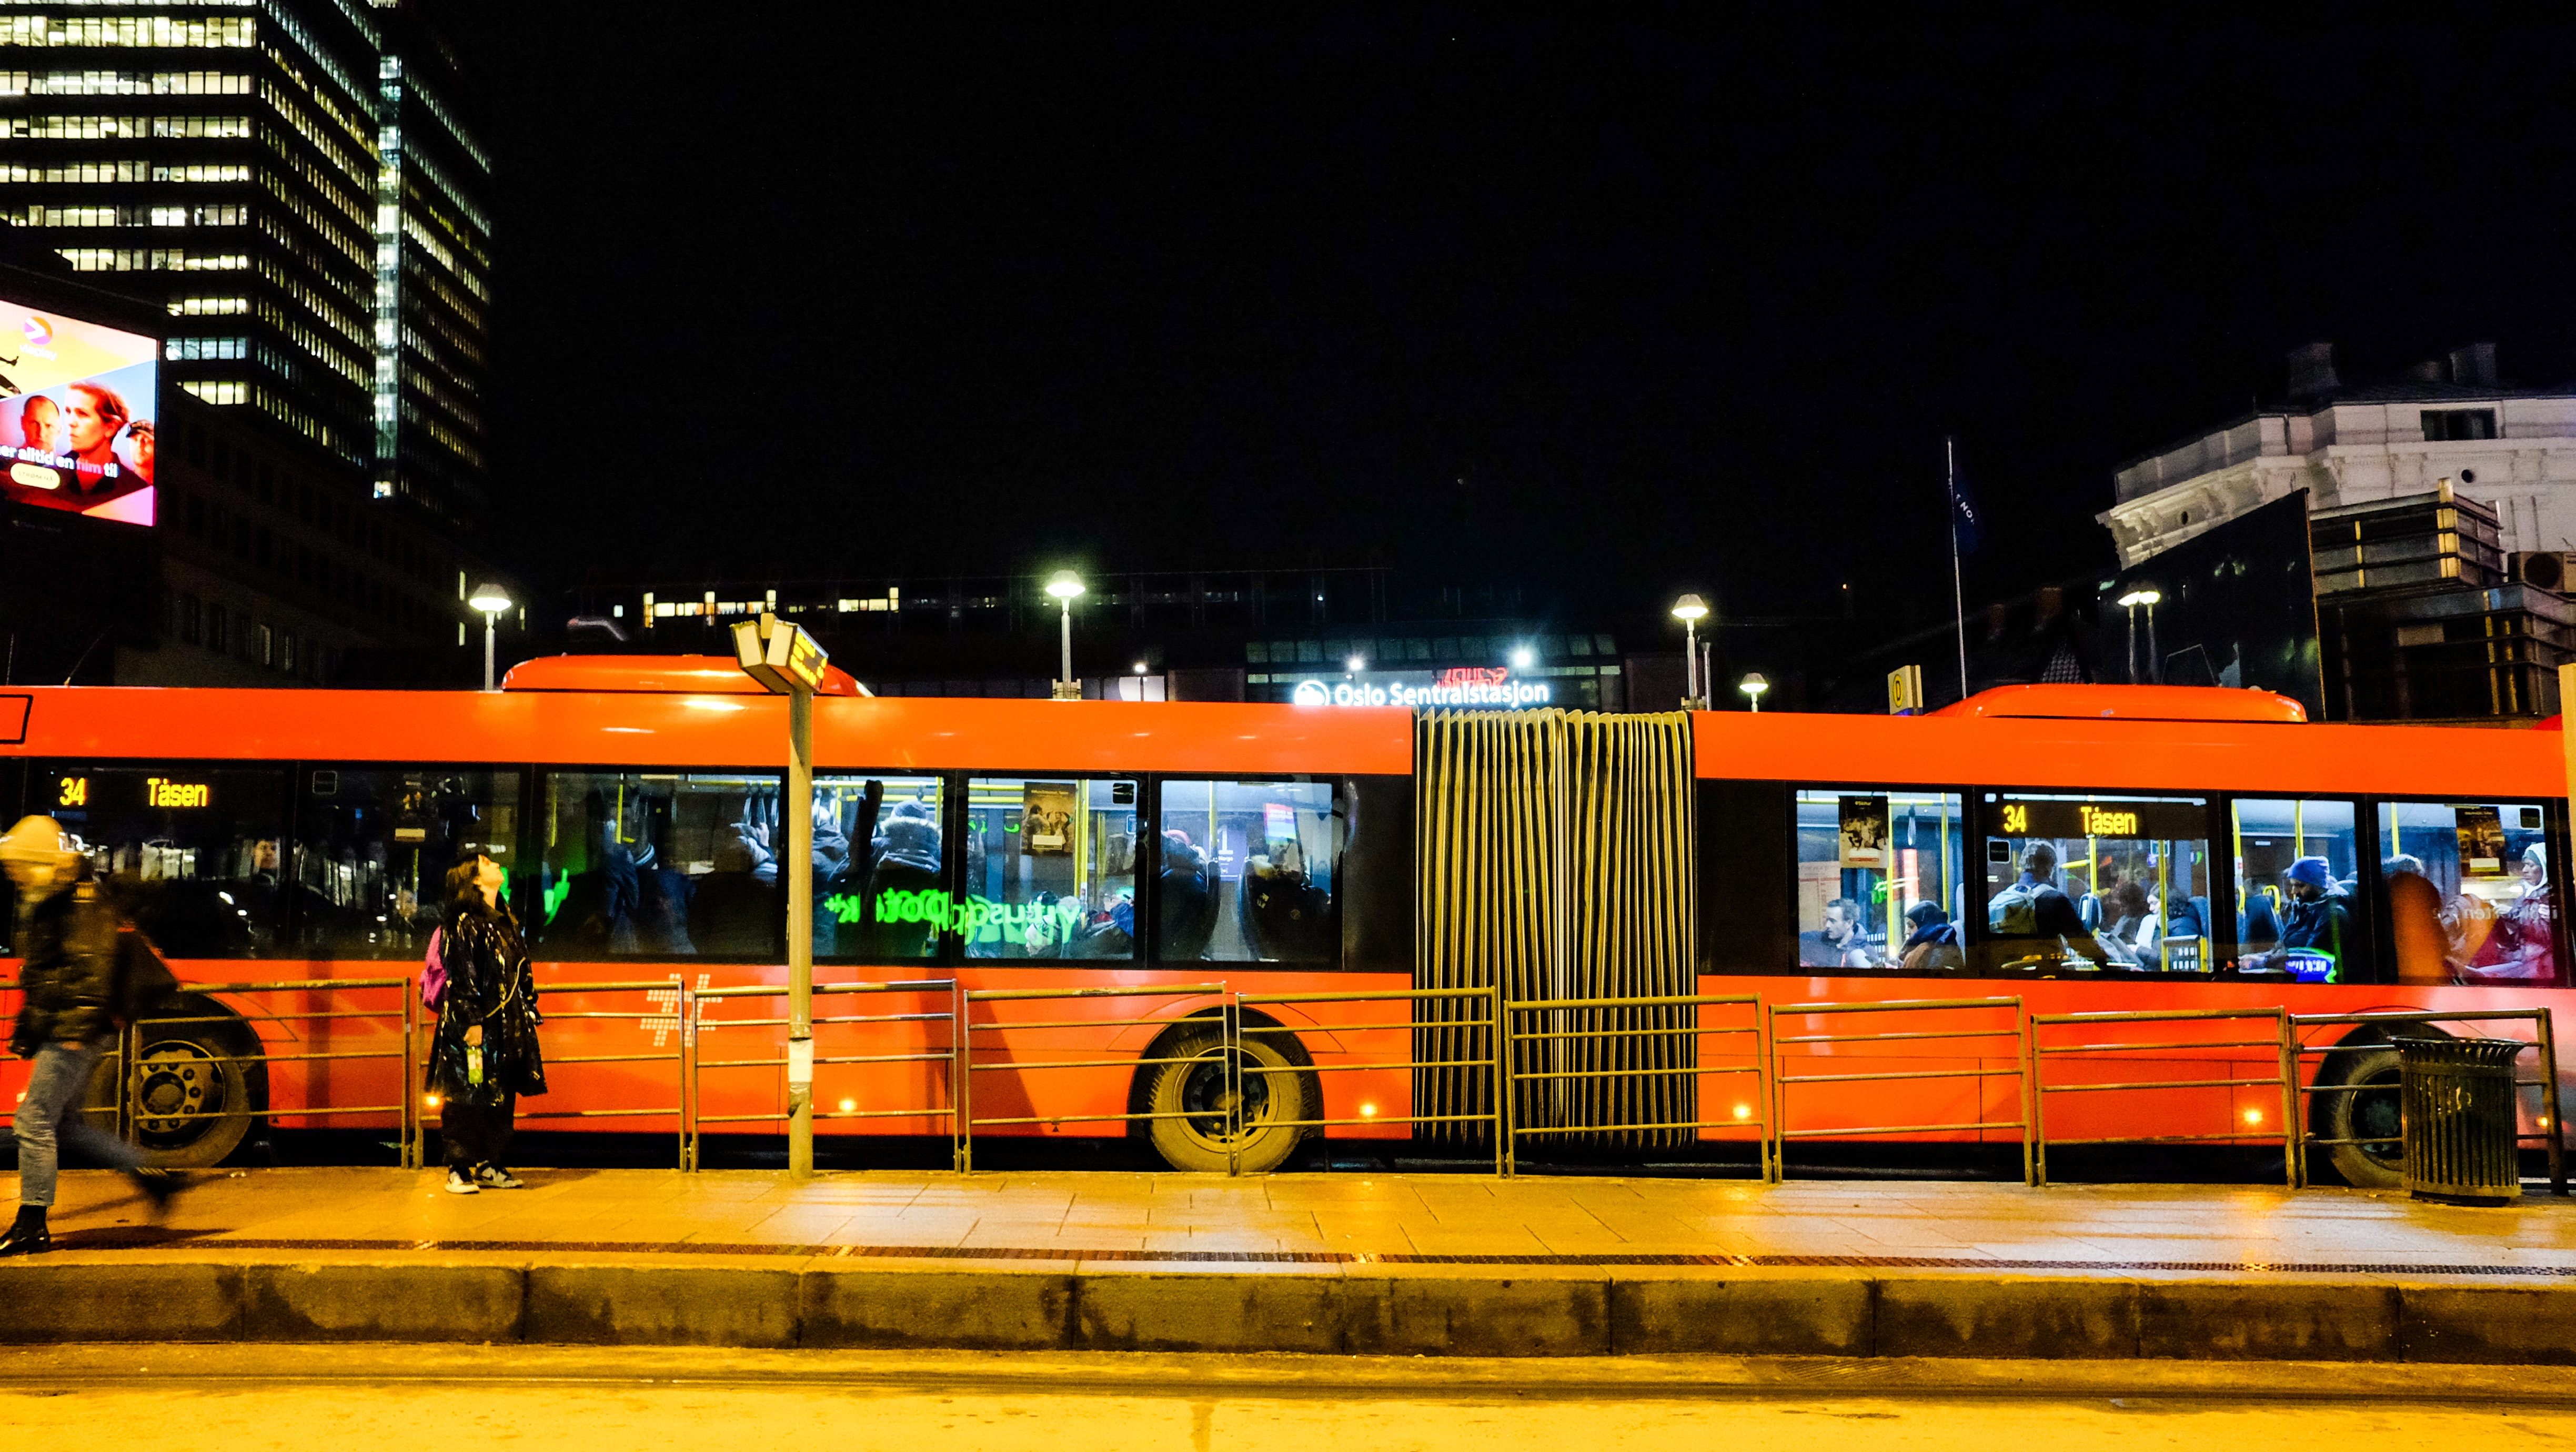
787, 661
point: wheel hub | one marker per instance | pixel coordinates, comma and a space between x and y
175, 1082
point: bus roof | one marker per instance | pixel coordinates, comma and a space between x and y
683, 675
2132, 703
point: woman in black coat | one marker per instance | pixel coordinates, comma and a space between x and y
484, 1055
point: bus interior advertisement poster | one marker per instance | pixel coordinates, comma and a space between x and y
2482, 851
1046, 820
77, 408
1278, 822
1864, 832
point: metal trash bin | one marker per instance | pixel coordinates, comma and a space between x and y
2460, 1119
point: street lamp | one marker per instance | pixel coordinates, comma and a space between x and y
1690, 610
2131, 602
1064, 585
1753, 686
493, 602
1356, 664
1523, 658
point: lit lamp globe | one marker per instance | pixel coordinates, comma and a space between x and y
1523, 658
1690, 610
1064, 585
1753, 686
493, 602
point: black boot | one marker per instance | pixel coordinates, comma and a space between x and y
28, 1236
159, 1185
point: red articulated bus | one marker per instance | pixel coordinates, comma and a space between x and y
2076, 848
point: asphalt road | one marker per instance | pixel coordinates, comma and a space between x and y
213, 1399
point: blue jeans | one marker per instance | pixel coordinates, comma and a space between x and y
50, 1116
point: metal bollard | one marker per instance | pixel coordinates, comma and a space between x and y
2460, 1119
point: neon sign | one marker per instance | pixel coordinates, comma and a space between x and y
1489, 689
978, 920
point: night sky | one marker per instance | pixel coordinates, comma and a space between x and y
1619, 306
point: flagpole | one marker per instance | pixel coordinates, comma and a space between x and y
1958, 589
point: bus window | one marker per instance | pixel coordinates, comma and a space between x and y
2469, 894
1050, 869
200, 847
2083, 884
658, 864
879, 870
2299, 907
1879, 880
1250, 873
373, 846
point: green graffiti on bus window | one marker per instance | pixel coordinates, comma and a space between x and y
976, 919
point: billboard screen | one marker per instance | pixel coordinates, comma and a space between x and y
77, 403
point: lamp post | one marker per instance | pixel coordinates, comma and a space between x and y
1690, 610
493, 602
1753, 686
2131, 602
1064, 585
787, 661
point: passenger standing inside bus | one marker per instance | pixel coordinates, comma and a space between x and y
484, 1055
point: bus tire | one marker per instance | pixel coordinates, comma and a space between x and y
2379, 1164
1196, 1087
194, 1069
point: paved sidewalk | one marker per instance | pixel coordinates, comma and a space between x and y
1181, 1220
1392, 1264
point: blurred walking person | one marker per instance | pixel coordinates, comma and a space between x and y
85, 971
484, 1055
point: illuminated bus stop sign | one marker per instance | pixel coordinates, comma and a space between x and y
779, 655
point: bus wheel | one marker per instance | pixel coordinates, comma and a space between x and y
1195, 1086
194, 1098
2370, 1115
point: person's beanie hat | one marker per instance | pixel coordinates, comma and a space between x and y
2313, 871
35, 839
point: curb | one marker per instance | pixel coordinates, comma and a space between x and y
830, 1303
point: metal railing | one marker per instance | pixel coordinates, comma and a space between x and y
967, 1068
135, 1116
699, 1063
1781, 1079
2544, 1040
1760, 1121
2282, 1081
1496, 1116
681, 1013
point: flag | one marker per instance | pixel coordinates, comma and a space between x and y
1966, 521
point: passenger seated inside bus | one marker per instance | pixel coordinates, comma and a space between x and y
2130, 934
731, 911
1284, 914
2036, 909
2316, 932
2518, 948
1932, 943
1188, 893
1841, 942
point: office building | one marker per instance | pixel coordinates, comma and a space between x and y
295, 188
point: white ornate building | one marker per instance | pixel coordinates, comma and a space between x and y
2512, 447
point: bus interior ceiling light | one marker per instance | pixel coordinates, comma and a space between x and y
1064, 584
